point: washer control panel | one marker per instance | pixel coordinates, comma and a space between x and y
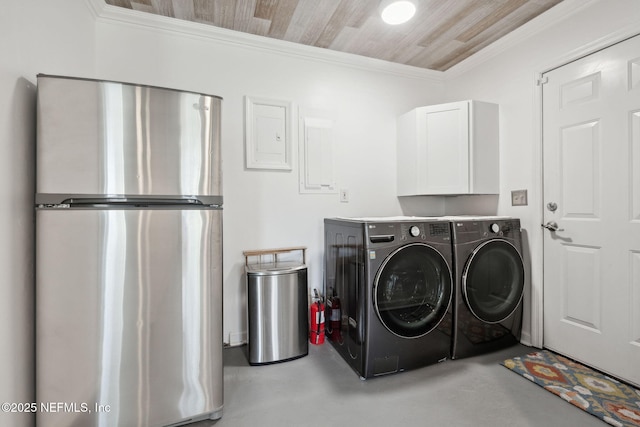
408, 231
438, 230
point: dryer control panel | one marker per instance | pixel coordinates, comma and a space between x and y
502, 228
472, 230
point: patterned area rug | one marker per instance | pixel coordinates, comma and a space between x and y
615, 403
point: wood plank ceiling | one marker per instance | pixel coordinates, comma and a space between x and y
441, 34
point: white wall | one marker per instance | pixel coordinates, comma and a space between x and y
509, 79
263, 209
35, 36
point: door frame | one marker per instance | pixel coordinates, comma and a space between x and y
537, 235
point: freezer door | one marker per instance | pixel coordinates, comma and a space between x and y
128, 316
100, 137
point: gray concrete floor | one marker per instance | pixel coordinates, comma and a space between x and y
322, 390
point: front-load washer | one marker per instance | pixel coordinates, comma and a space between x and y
489, 284
392, 279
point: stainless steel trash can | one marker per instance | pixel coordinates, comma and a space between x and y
277, 311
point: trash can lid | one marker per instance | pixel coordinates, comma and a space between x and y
273, 268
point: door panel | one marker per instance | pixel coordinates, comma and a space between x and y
634, 155
634, 305
446, 133
444, 130
580, 90
580, 170
591, 155
581, 287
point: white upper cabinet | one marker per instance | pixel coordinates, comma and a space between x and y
449, 149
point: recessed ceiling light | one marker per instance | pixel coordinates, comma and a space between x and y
395, 12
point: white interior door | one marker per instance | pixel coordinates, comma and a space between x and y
591, 132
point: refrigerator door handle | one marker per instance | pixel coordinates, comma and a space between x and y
131, 201
87, 200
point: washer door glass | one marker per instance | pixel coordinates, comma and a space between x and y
493, 281
412, 290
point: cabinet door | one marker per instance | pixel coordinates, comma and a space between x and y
443, 149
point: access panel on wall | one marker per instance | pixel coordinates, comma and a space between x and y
316, 152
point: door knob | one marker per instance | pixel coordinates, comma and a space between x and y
552, 226
552, 206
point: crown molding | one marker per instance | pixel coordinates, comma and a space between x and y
549, 18
603, 42
103, 12
95, 7
113, 14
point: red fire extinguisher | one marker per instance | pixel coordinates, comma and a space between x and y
316, 335
333, 317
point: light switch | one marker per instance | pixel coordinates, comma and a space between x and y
519, 198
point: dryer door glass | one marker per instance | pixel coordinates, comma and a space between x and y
493, 281
413, 290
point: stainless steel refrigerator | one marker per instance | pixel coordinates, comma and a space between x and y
128, 255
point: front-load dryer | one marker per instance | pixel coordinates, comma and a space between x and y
392, 279
489, 284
